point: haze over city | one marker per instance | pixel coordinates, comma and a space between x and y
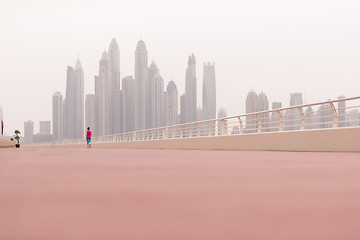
277, 47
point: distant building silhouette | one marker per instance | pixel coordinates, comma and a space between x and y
74, 103
274, 123
190, 91
57, 116
129, 88
152, 71
182, 109
341, 112
263, 105
90, 113
157, 101
141, 79
116, 104
28, 131
251, 106
221, 114
119, 112
209, 92
171, 105
292, 116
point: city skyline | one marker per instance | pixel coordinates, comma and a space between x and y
269, 47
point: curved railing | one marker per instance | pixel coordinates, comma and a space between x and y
329, 114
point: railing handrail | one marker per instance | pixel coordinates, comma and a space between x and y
257, 122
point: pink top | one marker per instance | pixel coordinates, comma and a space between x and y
88, 134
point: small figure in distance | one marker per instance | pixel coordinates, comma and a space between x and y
88, 137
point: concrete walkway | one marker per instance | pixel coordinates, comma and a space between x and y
112, 194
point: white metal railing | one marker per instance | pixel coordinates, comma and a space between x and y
302, 117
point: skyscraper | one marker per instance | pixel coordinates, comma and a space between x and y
251, 106
119, 112
90, 112
190, 91
182, 109
28, 131
57, 108
292, 116
263, 105
157, 101
153, 70
342, 111
114, 56
129, 88
209, 92
141, 79
171, 104
74, 102
103, 97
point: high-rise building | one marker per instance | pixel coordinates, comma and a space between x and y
129, 88
57, 116
119, 112
28, 131
209, 92
45, 127
153, 71
103, 97
296, 99
275, 119
342, 112
221, 114
310, 118
292, 116
251, 106
157, 101
171, 104
263, 105
90, 113
141, 79
114, 56
182, 109
74, 102
190, 91
325, 116
276, 105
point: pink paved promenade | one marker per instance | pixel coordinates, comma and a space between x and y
112, 194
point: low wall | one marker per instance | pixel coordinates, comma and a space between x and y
4, 143
336, 140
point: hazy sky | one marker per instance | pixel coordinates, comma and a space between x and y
278, 47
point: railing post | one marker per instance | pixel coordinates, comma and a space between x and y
335, 116
259, 123
209, 125
281, 121
198, 130
303, 120
241, 126
190, 132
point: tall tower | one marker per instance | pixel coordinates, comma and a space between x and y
251, 106
74, 102
141, 79
209, 92
171, 104
119, 112
153, 70
342, 111
116, 104
79, 100
90, 112
157, 101
263, 105
57, 110
129, 88
28, 131
190, 91
296, 99
103, 97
